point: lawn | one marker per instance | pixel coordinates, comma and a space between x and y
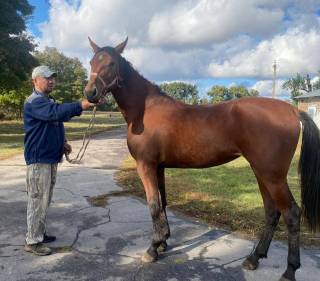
12, 133
226, 196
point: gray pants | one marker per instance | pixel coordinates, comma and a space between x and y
41, 179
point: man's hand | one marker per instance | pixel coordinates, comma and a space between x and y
85, 104
67, 149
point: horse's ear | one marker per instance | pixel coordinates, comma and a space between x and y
121, 46
94, 46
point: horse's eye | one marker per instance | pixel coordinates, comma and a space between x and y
111, 64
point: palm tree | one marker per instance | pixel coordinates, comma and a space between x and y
297, 84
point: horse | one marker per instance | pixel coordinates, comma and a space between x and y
165, 133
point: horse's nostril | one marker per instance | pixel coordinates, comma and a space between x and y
92, 95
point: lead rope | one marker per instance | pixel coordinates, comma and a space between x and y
87, 135
85, 141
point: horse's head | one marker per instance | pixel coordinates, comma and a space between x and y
104, 74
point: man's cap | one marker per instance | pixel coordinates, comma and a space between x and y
43, 71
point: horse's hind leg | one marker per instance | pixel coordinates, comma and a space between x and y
291, 214
162, 190
291, 217
285, 203
272, 216
149, 178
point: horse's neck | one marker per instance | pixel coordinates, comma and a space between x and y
134, 95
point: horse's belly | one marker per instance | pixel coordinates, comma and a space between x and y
198, 159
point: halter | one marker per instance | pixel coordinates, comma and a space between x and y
107, 87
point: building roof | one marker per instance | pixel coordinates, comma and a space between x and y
312, 94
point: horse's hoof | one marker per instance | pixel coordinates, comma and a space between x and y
163, 247
249, 265
286, 279
147, 258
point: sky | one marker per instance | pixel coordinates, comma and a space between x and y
203, 42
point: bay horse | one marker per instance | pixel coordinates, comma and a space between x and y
165, 133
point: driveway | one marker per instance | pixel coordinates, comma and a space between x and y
104, 239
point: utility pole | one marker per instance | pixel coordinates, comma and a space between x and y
274, 79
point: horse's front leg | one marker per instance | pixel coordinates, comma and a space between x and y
148, 175
162, 190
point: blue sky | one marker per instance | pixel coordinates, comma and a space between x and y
40, 15
205, 42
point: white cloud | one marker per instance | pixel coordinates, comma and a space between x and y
70, 22
205, 21
191, 63
315, 79
295, 51
232, 84
265, 89
191, 39
158, 62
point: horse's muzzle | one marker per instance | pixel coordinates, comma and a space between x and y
92, 96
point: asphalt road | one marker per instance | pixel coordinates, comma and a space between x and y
106, 242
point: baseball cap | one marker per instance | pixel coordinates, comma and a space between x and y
42, 71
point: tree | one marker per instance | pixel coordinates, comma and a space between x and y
71, 75
12, 101
241, 91
297, 84
253, 93
16, 60
184, 92
222, 93
316, 85
204, 100
218, 93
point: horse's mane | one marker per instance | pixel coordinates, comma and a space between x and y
128, 69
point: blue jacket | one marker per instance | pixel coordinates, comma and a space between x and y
44, 130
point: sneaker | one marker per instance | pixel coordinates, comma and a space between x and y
38, 249
48, 239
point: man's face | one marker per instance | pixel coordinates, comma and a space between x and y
43, 84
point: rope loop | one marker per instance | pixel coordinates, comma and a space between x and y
85, 141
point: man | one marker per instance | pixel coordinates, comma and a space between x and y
45, 144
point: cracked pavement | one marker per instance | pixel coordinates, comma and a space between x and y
106, 242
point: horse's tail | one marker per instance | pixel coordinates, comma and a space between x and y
309, 170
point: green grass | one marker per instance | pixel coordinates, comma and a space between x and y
226, 196
11, 138
12, 133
